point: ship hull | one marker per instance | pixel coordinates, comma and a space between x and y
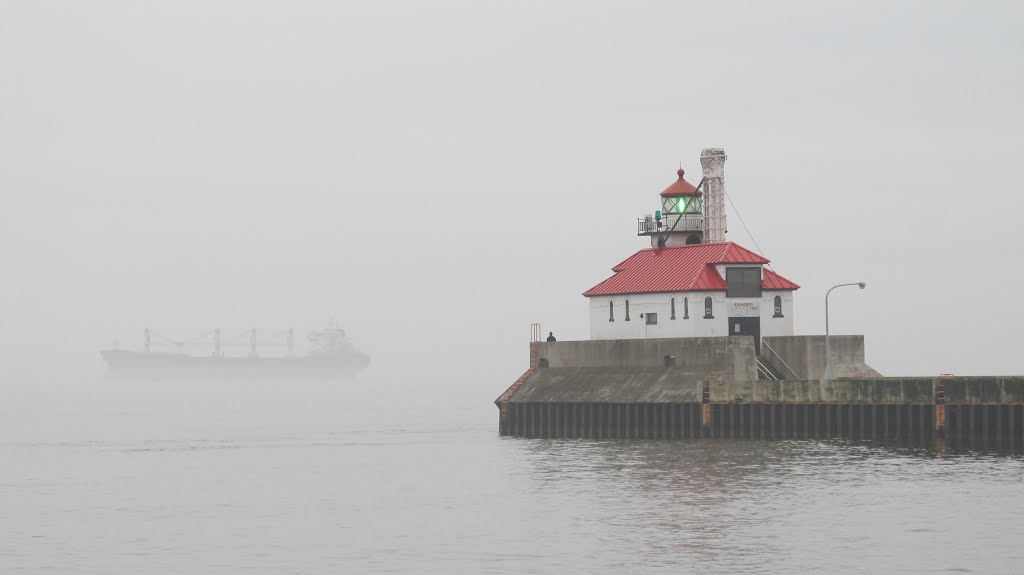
170, 365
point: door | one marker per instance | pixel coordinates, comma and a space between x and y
747, 326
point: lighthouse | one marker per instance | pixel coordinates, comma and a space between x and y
691, 282
693, 337
680, 221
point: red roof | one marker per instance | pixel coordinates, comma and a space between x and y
680, 187
772, 280
683, 268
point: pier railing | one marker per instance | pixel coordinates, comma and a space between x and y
765, 372
764, 345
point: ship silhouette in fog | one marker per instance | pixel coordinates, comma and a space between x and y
331, 356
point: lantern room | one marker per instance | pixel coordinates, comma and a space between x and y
680, 221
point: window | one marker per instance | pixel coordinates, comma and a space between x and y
707, 308
611, 311
673, 316
743, 282
652, 318
627, 310
778, 306
686, 308
687, 205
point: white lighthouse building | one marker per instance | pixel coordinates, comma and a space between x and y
691, 282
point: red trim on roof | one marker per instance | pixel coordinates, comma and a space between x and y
680, 188
683, 268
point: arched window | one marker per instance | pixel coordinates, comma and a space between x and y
778, 306
707, 308
673, 309
686, 308
627, 310
611, 310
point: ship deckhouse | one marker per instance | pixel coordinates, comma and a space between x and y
688, 284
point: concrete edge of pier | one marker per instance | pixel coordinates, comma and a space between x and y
692, 387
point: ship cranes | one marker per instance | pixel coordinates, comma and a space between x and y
212, 340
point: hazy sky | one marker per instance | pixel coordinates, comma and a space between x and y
437, 175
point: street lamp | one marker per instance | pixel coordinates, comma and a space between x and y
828, 348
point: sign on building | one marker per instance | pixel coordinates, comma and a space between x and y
743, 308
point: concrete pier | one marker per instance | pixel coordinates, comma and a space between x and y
709, 387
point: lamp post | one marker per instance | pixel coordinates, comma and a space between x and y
828, 347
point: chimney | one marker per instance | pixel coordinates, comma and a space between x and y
713, 162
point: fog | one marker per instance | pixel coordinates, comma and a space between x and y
436, 176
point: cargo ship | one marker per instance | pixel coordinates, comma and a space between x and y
331, 355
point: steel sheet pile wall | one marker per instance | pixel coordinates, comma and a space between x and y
747, 420
897, 408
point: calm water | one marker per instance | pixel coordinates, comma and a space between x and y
361, 478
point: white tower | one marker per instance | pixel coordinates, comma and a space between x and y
713, 162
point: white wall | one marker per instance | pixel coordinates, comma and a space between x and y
660, 303
694, 326
773, 326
